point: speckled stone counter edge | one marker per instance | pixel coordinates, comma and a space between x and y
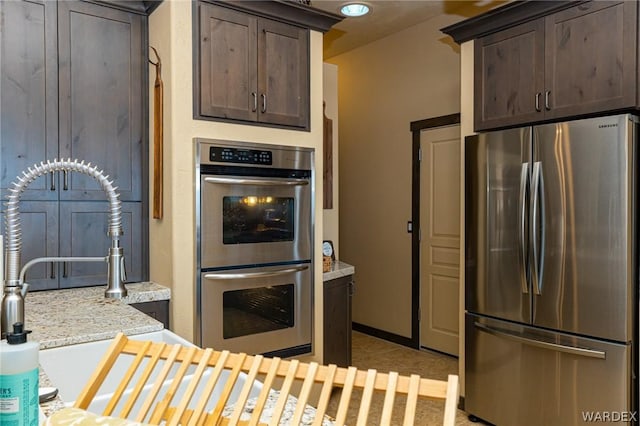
338, 270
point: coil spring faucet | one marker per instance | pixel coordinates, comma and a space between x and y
15, 289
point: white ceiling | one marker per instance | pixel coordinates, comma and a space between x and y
387, 17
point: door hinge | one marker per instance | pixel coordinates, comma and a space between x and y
420, 234
419, 154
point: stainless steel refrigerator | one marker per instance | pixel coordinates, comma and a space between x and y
551, 273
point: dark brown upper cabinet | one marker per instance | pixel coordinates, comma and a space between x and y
252, 68
102, 63
577, 61
590, 58
73, 79
508, 75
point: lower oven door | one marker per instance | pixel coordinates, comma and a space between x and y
265, 310
254, 220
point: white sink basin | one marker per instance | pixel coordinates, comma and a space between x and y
70, 368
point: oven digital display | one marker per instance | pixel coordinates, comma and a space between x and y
240, 156
257, 310
257, 219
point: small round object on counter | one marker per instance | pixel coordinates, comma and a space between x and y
327, 249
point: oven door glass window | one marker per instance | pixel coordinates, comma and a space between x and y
257, 310
257, 219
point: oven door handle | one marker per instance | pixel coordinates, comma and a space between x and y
257, 181
245, 275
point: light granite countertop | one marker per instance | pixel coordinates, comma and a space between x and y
78, 315
338, 270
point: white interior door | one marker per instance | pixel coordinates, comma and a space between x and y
440, 238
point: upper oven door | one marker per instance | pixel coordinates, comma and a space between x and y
254, 220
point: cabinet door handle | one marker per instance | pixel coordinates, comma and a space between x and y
65, 180
547, 95
53, 181
64, 269
254, 95
538, 102
264, 102
53, 270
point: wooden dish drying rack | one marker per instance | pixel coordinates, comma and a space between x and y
158, 406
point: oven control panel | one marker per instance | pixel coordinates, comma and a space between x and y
240, 155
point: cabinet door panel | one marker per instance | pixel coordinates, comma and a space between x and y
509, 72
591, 58
228, 80
101, 97
283, 73
29, 88
83, 226
337, 321
39, 224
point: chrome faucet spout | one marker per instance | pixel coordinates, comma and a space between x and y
13, 297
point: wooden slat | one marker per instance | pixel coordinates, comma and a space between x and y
191, 388
128, 375
412, 400
158, 137
389, 397
228, 387
325, 395
186, 416
104, 366
153, 393
199, 411
284, 392
246, 390
142, 381
451, 401
160, 409
367, 395
345, 398
304, 393
264, 393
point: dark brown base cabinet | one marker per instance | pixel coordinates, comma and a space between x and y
337, 321
73, 84
158, 309
580, 59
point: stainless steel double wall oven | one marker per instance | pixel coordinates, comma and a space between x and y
254, 217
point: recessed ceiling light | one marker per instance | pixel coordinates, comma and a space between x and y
354, 9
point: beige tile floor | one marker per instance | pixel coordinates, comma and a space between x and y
371, 352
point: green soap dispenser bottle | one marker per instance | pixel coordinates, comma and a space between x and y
19, 379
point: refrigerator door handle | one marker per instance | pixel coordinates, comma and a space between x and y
591, 353
524, 185
537, 227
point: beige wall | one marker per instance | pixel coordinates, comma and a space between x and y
330, 222
466, 129
382, 87
172, 239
